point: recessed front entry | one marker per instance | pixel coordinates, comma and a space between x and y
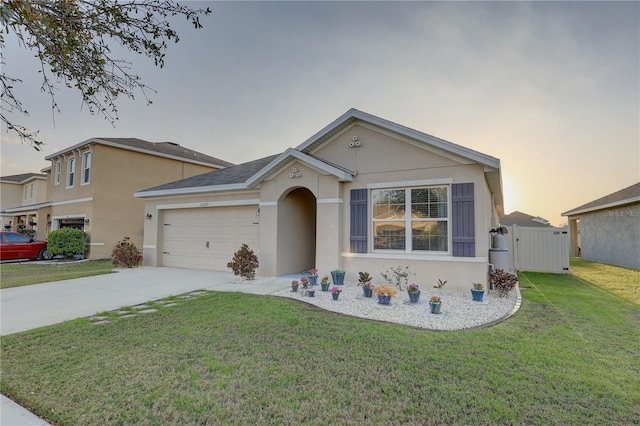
296, 243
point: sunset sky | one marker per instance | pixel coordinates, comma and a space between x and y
550, 88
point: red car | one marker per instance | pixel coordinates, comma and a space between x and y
18, 246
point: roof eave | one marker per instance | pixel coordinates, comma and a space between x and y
601, 206
134, 149
293, 153
191, 190
353, 114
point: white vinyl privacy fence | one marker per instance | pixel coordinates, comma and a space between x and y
539, 249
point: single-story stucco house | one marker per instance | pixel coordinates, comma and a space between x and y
362, 194
608, 228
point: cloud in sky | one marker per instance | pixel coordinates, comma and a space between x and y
550, 88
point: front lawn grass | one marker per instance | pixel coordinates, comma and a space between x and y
569, 356
32, 273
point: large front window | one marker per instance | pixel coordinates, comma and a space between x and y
411, 219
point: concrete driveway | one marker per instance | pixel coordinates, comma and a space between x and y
33, 306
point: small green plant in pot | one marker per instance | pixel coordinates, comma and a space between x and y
477, 292
325, 283
365, 282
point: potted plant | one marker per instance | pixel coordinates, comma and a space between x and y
385, 293
435, 303
325, 283
414, 292
310, 292
294, 285
365, 282
337, 276
335, 292
313, 276
477, 292
305, 282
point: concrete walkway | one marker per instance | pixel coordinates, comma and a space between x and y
29, 307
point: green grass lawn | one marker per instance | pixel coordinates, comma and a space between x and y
569, 356
17, 275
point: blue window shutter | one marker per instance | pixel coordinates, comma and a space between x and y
463, 220
358, 228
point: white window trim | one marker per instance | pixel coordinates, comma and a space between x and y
58, 172
71, 169
84, 167
408, 250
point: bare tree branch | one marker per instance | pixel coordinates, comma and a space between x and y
71, 40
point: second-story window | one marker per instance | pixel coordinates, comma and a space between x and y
71, 172
58, 172
86, 167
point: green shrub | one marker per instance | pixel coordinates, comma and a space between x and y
66, 242
126, 254
244, 262
28, 232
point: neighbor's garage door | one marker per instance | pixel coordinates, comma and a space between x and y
206, 238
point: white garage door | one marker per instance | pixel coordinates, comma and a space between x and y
206, 238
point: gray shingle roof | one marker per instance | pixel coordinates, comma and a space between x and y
159, 148
523, 219
630, 194
230, 175
21, 177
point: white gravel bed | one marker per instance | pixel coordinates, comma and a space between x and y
459, 311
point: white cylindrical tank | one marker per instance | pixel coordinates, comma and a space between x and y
499, 241
499, 258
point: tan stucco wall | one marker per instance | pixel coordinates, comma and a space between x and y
113, 212
10, 195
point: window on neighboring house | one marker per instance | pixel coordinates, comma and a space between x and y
86, 167
26, 188
71, 171
31, 190
58, 172
411, 219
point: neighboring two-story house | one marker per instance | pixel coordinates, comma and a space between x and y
19, 196
90, 187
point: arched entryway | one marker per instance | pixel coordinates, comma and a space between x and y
296, 244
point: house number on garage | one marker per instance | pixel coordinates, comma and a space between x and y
204, 204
